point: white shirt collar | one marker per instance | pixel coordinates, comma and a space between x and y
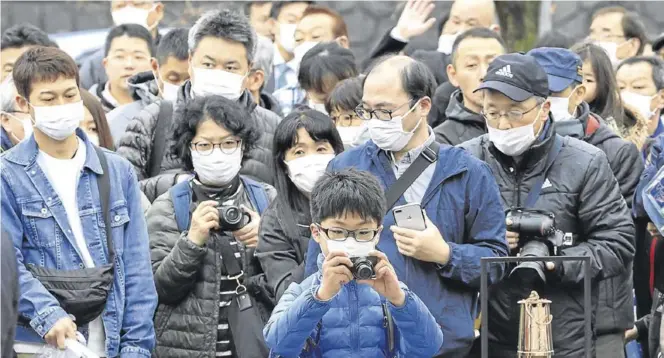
106, 93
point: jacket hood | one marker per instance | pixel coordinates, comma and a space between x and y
578, 127
143, 87
456, 111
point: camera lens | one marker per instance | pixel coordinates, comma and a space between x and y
363, 270
233, 214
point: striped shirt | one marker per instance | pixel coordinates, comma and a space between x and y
227, 287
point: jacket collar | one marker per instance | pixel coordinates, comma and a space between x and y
458, 112
535, 154
27, 150
143, 87
5, 141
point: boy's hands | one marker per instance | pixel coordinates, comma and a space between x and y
336, 273
386, 282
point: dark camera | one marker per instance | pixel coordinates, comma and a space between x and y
538, 237
363, 267
232, 218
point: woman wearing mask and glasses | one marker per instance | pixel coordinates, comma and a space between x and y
341, 104
204, 231
304, 142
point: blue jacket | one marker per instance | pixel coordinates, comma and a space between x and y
654, 161
5, 142
34, 217
463, 202
353, 323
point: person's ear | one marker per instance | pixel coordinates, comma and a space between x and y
154, 65
190, 69
495, 28
546, 107
273, 26
451, 75
315, 232
577, 97
22, 104
104, 63
343, 42
255, 80
424, 106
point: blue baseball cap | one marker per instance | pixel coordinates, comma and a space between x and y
562, 66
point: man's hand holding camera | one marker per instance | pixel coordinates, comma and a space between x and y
426, 245
386, 282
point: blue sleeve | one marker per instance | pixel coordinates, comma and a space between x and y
35, 302
420, 334
654, 161
485, 231
137, 332
294, 319
311, 260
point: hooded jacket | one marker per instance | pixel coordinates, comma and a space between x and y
585, 198
615, 311
270, 103
145, 91
97, 90
137, 143
461, 124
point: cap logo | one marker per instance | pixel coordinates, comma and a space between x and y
505, 71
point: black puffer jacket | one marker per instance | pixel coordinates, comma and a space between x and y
584, 196
155, 186
187, 281
461, 124
137, 143
282, 255
615, 310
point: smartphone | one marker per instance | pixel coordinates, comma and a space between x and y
409, 216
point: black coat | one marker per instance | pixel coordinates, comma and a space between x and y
282, 255
461, 124
441, 99
584, 195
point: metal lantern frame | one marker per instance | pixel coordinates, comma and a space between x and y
484, 300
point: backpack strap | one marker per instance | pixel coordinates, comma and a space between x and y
159, 138
592, 125
181, 197
257, 194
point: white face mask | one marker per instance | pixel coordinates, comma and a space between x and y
446, 43
302, 50
26, 124
640, 102
217, 168
320, 107
349, 134
389, 135
560, 109
208, 82
59, 122
352, 247
287, 36
513, 141
170, 92
94, 139
131, 15
305, 171
611, 49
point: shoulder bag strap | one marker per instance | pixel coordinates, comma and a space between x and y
257, 194
160, 139
428, 156
181, 198
536, 189
104, 186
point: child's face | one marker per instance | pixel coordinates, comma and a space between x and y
363, 228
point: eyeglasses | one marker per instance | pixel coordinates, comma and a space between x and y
380, 114
340, 234
346, 120
512, 116
228, 146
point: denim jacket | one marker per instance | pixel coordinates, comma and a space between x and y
34, 217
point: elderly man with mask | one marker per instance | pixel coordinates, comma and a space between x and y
572, 117
641, 83
222, 49
619, 32
536, 169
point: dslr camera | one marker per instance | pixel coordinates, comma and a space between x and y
363, 267
538, 237
232, 217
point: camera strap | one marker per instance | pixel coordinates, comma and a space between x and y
234, 272
536, 189
428, 156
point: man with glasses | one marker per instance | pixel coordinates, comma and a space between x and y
619, 32
536, 169
441, 264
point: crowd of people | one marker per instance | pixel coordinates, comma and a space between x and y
221, 190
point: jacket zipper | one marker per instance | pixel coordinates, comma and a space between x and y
354, 331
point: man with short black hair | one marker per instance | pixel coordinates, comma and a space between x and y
540, 174
641, 84
69, 205
441, 263
162, 81
472, 53
258, 13
128, 51
572, 117
619, 32
15, 41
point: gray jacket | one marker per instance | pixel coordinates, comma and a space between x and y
145, 91
187, 280
137, 142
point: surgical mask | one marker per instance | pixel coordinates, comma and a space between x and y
349, 134
320, 107
560, 109
59, 122
217, 168
352, 247
287, 36
27, 126
389, 135
170, 91
638, 101
514, 141
611, 49
217, 82
446, 43
132, 15
94, 139
302, 50
305, 171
